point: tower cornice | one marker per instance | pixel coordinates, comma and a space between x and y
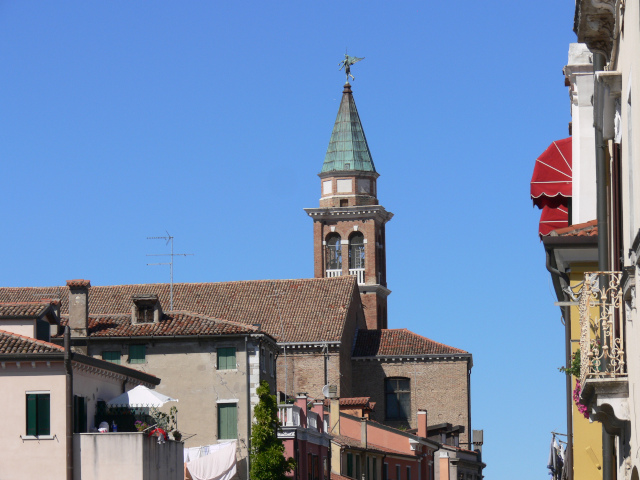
350, 213
348, 173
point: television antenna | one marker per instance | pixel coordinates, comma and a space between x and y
169, 239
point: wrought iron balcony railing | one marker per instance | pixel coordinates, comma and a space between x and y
601, 327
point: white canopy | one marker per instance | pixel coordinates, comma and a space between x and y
140, 396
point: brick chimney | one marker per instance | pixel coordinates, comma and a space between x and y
318, 407
78, 307
301, 402
334, 411
422, 423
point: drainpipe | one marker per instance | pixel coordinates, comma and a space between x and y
560, 280
69, 401
603, 251
248, 375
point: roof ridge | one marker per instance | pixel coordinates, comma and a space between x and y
31, 339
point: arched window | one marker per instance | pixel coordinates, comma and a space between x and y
356, 250
398, 398
334, 252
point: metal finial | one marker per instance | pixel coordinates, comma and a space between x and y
346, 64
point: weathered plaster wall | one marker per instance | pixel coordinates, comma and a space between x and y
30, 458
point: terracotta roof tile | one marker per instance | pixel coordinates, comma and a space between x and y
305, 310
173, 323
12, 343
398, 342
363, 402
23, 309
587, 229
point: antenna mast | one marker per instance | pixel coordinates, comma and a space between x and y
169, 239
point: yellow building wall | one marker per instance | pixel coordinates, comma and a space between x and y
587, 437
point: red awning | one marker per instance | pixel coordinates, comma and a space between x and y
553, 218
552, 173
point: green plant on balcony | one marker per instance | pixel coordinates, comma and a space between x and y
574, 368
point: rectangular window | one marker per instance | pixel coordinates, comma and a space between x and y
227, 421
263, 362
326, 187
38, 414
227, 358
111, 356
350, 465
397, 472
357, 466
398, 398
409, 473
137, 353
309, 466
385, 471
374, 467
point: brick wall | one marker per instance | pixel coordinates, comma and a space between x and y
305, 371
439, 386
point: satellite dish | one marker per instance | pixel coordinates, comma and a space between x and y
325, 391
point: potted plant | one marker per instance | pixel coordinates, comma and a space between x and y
177, 436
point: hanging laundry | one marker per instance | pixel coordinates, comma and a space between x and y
218, 464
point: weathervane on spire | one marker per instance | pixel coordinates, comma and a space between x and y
346, 64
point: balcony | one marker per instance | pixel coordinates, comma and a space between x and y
289, 415
359, 273
603, 370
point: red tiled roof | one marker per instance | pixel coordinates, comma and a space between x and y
12, 343
587, 229
305, 310
398, 342
174, 323
23, 309
355, 401
362, 402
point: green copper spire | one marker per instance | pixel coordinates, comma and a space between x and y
348, 149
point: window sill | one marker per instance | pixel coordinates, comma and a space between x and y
227, 369
37, 437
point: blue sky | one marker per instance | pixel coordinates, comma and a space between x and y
210, 120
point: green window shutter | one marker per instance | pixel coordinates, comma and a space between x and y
227, 358
31, 414
137, 353
227, 421
43, 423
349, 465
111, 356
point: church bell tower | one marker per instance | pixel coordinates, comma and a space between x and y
349, 226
